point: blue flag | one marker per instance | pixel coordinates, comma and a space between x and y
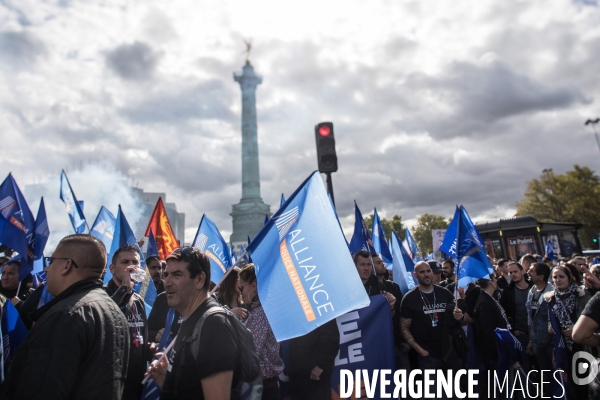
366, 335
232, 252
549, 249
302, 261
17, 225
402, 265
509, 350
361, 240
463, 242
122, 236
209, 240
380, 241
42, 232
282, 202
73, 206
104, 228
152, 249
151, 390
13, 332
412, 245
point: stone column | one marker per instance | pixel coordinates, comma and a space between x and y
248, 215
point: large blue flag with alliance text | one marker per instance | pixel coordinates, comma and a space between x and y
402, 265
17, 225
73, 206
209, 240
366, 337
305, 275
104, 228
380, 241
361, 240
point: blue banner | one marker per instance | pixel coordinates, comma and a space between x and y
209, 240
302, 261
402, 266
380, 241
361, 240
17, 226
366, 343
104, 228
73, 206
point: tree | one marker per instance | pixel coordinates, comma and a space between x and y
571, 197
422, 231
394, 224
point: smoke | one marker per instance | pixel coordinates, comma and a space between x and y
97, 185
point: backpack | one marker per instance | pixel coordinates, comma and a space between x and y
248, 366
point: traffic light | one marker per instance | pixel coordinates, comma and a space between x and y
326, 157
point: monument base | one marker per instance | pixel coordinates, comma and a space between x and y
248, 219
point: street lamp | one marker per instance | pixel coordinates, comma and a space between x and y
593, 122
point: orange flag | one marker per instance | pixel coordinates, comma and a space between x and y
163, 233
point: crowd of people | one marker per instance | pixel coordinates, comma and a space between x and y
95, 341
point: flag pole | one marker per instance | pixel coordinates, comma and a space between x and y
227, 273
164, 355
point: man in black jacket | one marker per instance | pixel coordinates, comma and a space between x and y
311, 362
78, 347
120, 288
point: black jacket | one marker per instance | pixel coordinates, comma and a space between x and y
158, 318
487, 318
132, 307
507, 300
78, 349
317, 348
394, 289
373, 286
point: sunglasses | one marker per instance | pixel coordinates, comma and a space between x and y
49, 260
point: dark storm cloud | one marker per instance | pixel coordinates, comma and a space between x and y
481, 95
135, 61
205, 100
20, 49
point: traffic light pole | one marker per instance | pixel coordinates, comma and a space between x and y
330, 187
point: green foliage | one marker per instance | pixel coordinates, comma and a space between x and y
394, 224
422, 231
571, 197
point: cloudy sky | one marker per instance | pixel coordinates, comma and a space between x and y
435, 103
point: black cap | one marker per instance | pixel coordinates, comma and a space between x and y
435, 266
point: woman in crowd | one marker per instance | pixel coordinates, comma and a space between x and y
567, 302
267, 347
488, 316
228, 294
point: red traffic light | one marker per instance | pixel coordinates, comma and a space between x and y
324, 130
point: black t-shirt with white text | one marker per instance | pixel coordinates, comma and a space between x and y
426, 310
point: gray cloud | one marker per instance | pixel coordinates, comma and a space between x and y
203, 100
135, 61
20, 49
